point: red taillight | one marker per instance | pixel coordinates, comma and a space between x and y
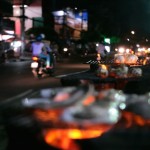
35, 58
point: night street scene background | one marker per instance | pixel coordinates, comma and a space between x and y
96, 93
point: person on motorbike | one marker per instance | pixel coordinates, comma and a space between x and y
38, 49
101, 52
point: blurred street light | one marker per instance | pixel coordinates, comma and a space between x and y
132, 32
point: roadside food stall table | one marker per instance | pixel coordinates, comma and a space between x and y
37, 119
31, 118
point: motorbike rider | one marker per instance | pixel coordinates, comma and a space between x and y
101, 52
38, 49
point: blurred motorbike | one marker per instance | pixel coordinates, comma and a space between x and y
39, 68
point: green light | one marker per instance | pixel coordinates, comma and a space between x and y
107, 40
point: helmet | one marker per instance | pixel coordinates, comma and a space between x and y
42, 35
38, 38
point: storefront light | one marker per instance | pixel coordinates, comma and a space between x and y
16, 6
121, 50
97, 44
127, 50
107, 48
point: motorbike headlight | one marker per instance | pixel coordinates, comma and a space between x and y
65, 49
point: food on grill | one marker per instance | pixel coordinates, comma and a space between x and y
125, 59
136, 71
121, 71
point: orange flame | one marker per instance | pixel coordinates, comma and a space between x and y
130, 119
63, 138
58, 140
75, 133
47, 115
62, 134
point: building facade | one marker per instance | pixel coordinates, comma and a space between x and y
7, 26
26, 15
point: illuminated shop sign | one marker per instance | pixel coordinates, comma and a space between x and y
75, 20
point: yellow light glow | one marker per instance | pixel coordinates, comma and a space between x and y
121, 50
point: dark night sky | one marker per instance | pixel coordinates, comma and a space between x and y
124, 14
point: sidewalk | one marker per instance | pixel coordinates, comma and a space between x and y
25, 57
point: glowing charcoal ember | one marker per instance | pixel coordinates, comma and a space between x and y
79, 122
131, 119
61, 141
55, 136
90, 99
72, 134
47, 116
63, 127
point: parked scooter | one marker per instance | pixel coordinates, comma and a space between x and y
39, 68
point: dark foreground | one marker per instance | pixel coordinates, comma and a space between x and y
132, 132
